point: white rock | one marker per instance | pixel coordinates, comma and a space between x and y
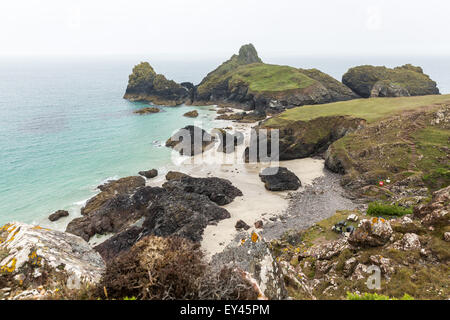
352, 217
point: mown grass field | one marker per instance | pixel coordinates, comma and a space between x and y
371, 109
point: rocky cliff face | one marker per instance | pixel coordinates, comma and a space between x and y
407, 80
145, 84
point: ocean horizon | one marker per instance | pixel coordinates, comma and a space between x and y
65, 128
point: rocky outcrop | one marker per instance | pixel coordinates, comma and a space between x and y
182, 208
147, 110
33, 257
191, 114
371, 233
393, 148
337, 90
385, 88
301, 139
218, 190
190, 141
149, 174
145, 84
437, 211
406, 80
228, 142
279, 179
58, 215
255, 258
113, 208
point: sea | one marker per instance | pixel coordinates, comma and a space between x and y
65, 128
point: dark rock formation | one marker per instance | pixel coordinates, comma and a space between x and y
337, 90
406, 80
279, 179
191, 114
147, 110
182, 214
218, 190
112, 209
57, 215
119, 243
243, 117
259, 224
149, 174
183, 207
190, 140
228, 142
145, 84
175, 175
240, 224
437, 212
301, 139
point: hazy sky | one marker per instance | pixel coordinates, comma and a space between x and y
206, 27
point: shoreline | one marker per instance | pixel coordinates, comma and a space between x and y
256, 204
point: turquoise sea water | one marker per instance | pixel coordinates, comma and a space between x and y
64, 127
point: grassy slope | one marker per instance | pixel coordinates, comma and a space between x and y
369, 109
260, 77
271, 78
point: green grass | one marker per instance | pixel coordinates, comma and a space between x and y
271, 78
371, 109
380, 209
374, 296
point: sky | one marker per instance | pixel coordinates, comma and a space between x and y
203, 28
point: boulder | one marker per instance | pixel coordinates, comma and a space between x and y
259, 224
175, 175
58, 215
191, 114
183, 214
410, 241
240, 224
255, 258
147, 110
220, 191
190, 141
371, 233
436, 212
115, 214
447, 236
279, 179
228, 142
149, 174
38, 257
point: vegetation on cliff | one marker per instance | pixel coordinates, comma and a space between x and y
362, 80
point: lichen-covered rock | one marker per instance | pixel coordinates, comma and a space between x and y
408, 80
410, 241
326, 250
279, 179
371, 233
254, 257
36, 256
436, 212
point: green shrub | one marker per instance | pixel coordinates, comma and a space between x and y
375, 296
380, 209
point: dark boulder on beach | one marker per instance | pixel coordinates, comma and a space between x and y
240, 224
58, 215
149, 174
190, 141
279, 179
191, 114
228, 141
183, 208
220, 191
